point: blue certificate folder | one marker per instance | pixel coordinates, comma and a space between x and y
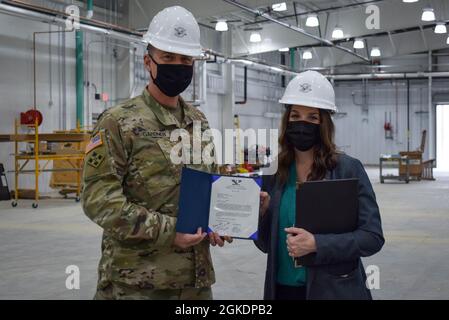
195, 198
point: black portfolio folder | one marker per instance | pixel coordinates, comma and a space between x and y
326, 207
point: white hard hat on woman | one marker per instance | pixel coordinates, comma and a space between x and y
310, 89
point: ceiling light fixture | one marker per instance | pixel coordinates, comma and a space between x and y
255, 37
312, 20
337, 33
221, 25
440, 28
279, 6
428, 14
359, 44
375, 52
307, 55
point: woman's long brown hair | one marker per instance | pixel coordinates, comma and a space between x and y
325, 153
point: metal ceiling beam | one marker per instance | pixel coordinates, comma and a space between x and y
296, 15
389, 33
297, 29
381, 76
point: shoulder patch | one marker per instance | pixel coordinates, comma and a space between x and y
95, 159
94, 142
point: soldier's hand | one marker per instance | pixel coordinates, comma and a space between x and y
185, 240
215, 239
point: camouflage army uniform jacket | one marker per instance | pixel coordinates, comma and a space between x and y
131, 190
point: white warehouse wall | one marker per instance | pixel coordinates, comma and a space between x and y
16, 83
359, 133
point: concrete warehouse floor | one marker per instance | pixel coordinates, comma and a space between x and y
38, 244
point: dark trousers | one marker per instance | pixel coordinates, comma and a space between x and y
290, 293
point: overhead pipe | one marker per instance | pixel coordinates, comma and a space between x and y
245, 86
286, 71
57, 13
381, 76
124, 36
250, 63
131, 37
52, 16
305, 13
295, 28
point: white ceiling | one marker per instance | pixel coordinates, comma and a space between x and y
401, 20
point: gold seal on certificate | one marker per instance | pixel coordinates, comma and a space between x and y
234, 206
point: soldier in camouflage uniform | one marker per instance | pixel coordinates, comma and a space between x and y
131, 186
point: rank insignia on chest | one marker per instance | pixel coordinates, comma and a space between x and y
95, 159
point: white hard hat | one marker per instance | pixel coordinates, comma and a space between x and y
310, 89
175, 30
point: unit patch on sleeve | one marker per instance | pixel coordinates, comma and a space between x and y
95, 159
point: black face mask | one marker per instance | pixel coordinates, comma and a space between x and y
172, 79
303, 135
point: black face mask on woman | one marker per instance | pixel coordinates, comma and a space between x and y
172, 79
303, 135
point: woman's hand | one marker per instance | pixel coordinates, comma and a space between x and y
215, 239
264, 202
300, 242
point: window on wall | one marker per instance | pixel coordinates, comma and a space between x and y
443, 137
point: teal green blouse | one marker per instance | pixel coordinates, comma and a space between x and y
287, 274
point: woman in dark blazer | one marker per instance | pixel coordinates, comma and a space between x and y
308, 152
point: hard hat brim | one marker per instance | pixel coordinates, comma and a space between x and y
164, 45
309, 104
